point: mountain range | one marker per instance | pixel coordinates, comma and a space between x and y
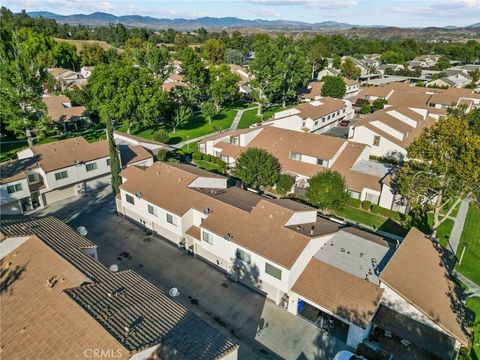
101, 18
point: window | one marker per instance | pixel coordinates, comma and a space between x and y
372, 198
108, 162
152, 210
244, 256
295, 156
304, 124
376, 140
273, 271
316, 122
235, 140
321, 162
130, 199
171, 219
61, 175
32, 178
207, 237
224, 158
14, 188
91, 167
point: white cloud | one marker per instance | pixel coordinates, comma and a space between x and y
315, 4
267, 13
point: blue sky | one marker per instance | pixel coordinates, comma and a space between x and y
363, 12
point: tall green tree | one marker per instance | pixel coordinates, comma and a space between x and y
65, 55
291, 67
234, 56
92, 54
328, 190
257, 167
21, 79
156, 60
209, 110
182, 116
223, 86
333, 86
315, 54
443, 169
349, 70
214, 50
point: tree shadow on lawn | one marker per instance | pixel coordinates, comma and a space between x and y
393, 227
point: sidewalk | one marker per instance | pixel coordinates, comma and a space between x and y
238, 117
458, 226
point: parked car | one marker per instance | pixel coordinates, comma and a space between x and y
344, 123
347, 355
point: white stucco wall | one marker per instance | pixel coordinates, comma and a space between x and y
364, 135
5, 197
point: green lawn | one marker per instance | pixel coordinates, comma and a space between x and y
197, 127
248, 118
9, 150
474, 305
470, 266
375, 221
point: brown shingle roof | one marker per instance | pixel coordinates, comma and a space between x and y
133, 154
341, 293
329, 105
59, 113
313, 90
64, 153
419, 273
265, 234
43, 322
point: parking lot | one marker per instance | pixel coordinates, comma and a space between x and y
263, 330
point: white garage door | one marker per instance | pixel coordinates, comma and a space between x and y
57, 195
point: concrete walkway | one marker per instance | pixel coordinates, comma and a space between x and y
238, 117
234, 126
473, 288
458, 226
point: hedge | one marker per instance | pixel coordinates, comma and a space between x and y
197, 155
162, 155
366, 205
355, 202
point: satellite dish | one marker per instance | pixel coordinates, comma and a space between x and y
113, 268
173, 292
82, 230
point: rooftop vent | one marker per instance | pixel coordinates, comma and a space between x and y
138, 195
227, 236
206, 211
52, 281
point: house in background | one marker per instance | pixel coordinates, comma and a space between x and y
65, 78
47, 173
459, 80
64, 114
393, 67
424, 61
44, 174
328, 71
245, 78
319, 115
78, 308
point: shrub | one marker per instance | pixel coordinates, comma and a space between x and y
161, 136
366, 205
207, 157
197, 155
354, 202
162, 155
366, 108
284, 183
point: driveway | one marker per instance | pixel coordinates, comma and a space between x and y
263, 330
340, 131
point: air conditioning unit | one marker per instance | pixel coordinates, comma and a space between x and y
81, 188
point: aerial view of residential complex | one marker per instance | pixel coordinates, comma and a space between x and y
249, 179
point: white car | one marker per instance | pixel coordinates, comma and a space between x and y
347, 355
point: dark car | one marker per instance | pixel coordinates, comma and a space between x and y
344, 123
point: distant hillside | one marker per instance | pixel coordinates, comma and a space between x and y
79, 44
100, 18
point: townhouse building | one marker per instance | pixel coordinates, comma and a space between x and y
338, 277
302, 155
47, 173
319, 115
64, 304
409, 110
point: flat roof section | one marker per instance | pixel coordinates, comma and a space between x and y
233, 196
356, 254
